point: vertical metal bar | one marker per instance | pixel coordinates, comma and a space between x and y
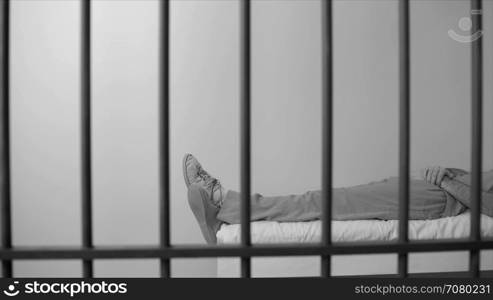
245, 154
404, 130
164, 188
327, 93
5, 136
476, 152
87, 265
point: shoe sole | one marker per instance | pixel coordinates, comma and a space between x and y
184, 165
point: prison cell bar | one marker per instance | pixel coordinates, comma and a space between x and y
86, 159
164, 187
193, 251
245, 151
476, 151
5, 136
327, 95
404, 130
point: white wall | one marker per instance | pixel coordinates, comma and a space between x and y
205, 113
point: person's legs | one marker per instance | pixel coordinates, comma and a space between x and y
212, 204
377, 200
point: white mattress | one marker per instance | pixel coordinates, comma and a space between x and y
360, 230
305, 232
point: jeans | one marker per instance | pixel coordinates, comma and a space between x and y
376, 200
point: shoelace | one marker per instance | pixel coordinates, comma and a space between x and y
211, 183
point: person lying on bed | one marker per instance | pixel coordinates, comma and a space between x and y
438, 192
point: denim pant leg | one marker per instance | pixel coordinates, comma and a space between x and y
377, 200
303, 207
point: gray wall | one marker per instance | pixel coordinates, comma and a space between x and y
205, 112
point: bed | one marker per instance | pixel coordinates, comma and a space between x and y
360, 230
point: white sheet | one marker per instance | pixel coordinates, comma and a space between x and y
306, 232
